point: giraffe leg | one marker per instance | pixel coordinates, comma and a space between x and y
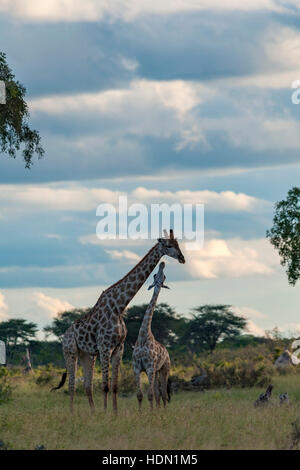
157, 390
139, 393
71, 359
115, 362
88, 364
151, 377
164, 375
104, 360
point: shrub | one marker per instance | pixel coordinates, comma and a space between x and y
295, 434
240, 373
127, 383
286, 369
5, 388
45, 375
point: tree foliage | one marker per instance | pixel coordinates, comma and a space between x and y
14, 114
211, 324
285, 233
63, 320
167, 326
17, 330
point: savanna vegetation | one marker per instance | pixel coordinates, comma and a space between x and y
219, 414
216, 417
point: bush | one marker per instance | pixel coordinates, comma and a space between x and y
244, 367
44, 375
127, 383
240, 373
5, 388
287, 370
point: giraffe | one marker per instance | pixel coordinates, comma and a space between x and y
102, 330
149, 355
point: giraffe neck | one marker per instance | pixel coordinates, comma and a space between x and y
145, 329
124, 290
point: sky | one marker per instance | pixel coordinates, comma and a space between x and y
182, 101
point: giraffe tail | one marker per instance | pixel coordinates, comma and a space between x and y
61, 383
169, 389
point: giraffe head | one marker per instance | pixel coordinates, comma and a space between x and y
171, 248
159, 279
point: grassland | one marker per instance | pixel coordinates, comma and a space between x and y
214, 419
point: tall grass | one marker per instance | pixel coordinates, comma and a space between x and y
214, 419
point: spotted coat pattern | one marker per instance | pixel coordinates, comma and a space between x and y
149, 355
102, 331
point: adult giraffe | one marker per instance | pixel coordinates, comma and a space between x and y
102, 331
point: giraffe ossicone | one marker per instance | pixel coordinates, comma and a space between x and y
102, 330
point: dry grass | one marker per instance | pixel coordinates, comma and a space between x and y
215, 419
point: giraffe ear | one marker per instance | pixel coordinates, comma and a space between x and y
166, 234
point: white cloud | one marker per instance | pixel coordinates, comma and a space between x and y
172, 109
225, 201
129, 256
51, 305
161, 109
3, 308
92, 239
291, 328
178, 95
231, 258
256, 129
129, 10
129, 64
73, 197
249, 313
54, 197
54, 236
254, 329
219, 258
283, 47
266, 80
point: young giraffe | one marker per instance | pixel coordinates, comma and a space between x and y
149, 355
102, 331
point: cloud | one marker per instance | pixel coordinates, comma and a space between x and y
256, 130
3, 308
52, 306
178, 112
282, 47
178, 95
129, 256
218, 259
129, 10
231, 258
76, 197
249, 313
55, 198
146, 107
254, 329
225, 201
54, 236
290, 329
74, 275
92, 239
266, 80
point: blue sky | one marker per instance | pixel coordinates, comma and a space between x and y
170, 101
